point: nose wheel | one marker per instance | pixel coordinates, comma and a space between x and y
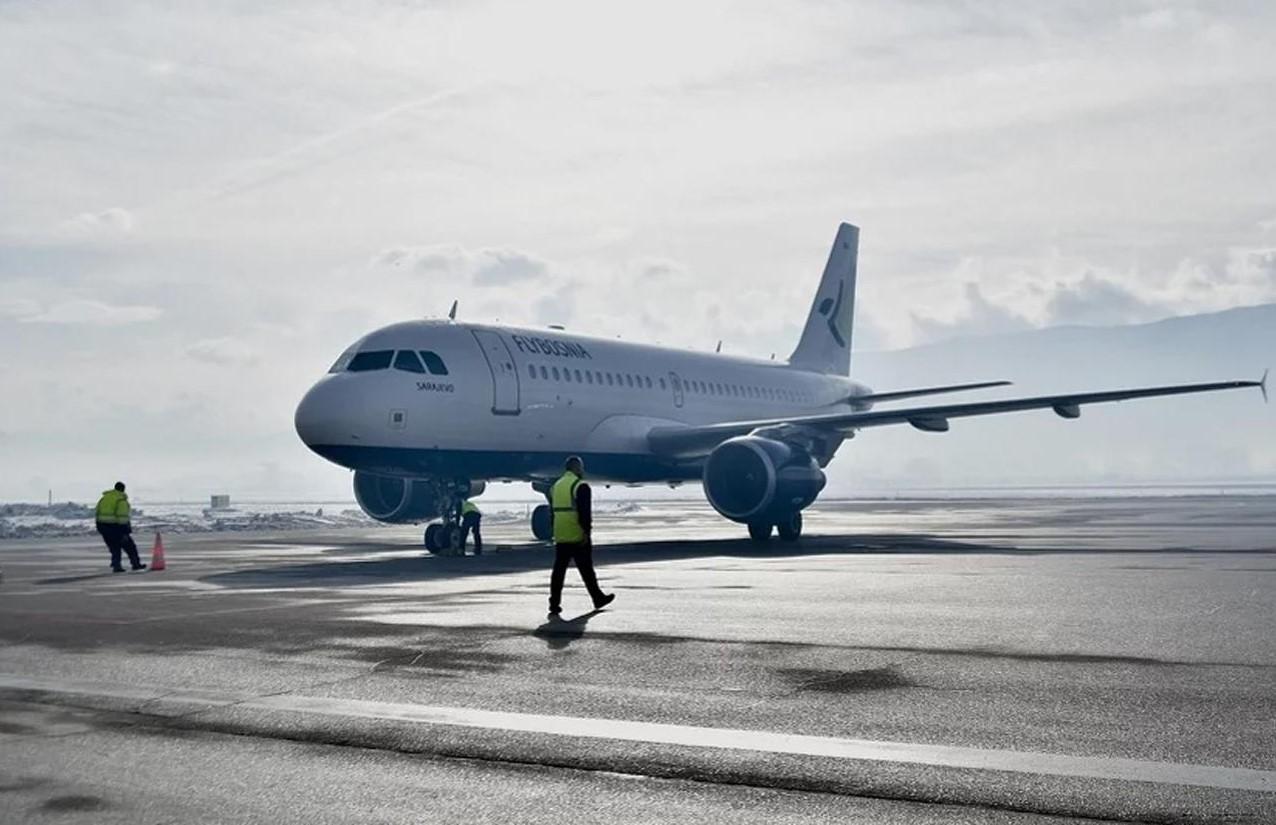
447, 538
444, 539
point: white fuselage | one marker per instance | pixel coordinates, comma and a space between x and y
514, 402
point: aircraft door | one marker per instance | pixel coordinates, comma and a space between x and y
504, 374
676, 383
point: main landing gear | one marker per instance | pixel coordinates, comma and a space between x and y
446, 539
542, 514
789, 528
542, 522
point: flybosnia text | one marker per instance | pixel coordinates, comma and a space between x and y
547, 346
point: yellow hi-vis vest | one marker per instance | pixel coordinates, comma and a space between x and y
113, 508
562, 498
469, 507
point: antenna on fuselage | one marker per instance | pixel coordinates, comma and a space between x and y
451, 313
719, 349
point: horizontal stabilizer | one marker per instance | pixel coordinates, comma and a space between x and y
899, 395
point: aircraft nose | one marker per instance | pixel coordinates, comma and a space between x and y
319, 419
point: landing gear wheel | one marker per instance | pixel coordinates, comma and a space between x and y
790, 527
450, 540
760, 530
542, 522
432, 537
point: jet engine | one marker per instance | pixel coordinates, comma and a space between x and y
403, 500
750, 479
395, 500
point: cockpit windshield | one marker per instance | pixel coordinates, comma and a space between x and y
404, 360
408, 361
344, 360
369, 360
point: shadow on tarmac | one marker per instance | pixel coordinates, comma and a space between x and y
534, 556
559, 633
73, 579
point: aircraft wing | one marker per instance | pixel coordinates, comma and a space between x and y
692, 440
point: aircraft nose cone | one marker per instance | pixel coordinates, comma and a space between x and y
317, 419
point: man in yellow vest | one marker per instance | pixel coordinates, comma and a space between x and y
470, 519
569, 499
114, 524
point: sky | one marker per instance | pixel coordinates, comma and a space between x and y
203, 204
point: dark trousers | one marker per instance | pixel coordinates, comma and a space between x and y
470, 523
582, 554
119, 539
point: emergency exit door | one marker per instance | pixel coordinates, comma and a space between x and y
504, 375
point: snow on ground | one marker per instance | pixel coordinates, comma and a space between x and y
19, 521
72, 519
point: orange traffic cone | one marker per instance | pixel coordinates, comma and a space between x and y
157, 554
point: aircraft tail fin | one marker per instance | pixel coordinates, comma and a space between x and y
825, 345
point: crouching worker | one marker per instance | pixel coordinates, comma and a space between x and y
116, 528
471, 520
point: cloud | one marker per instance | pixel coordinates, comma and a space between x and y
491, 266
979, 316
18, 308
558, 307
660, 268
1098, 301
115, 220
223, 352
93, 313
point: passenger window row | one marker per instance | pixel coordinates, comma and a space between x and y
599, 378
406, 360
602, 379
729, 390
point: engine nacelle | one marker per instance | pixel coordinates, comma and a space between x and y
401, 500
395, 500
748, 478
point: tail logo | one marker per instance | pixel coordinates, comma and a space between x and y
829, 308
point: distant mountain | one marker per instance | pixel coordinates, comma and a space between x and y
1212, 437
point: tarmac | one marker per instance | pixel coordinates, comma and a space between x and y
909, 661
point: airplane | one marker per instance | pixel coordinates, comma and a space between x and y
426, 412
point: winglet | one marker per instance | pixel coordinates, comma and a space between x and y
1262, 385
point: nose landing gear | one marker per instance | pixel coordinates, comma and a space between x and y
447, 539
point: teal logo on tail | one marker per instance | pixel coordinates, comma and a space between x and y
830, 308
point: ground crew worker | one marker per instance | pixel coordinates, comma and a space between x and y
570, 501
471, 517
115, 525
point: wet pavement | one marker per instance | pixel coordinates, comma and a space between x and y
912, 661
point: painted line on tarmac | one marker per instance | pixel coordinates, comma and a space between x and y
945, 756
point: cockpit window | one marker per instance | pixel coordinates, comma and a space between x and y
433, 363
344, 361
407, 361
369, 360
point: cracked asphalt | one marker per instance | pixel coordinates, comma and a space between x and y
280, 676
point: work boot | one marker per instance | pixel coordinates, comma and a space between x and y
139, 567
555, 611
117, 569
604, 601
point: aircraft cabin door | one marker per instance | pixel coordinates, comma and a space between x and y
676, 383
504, 374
